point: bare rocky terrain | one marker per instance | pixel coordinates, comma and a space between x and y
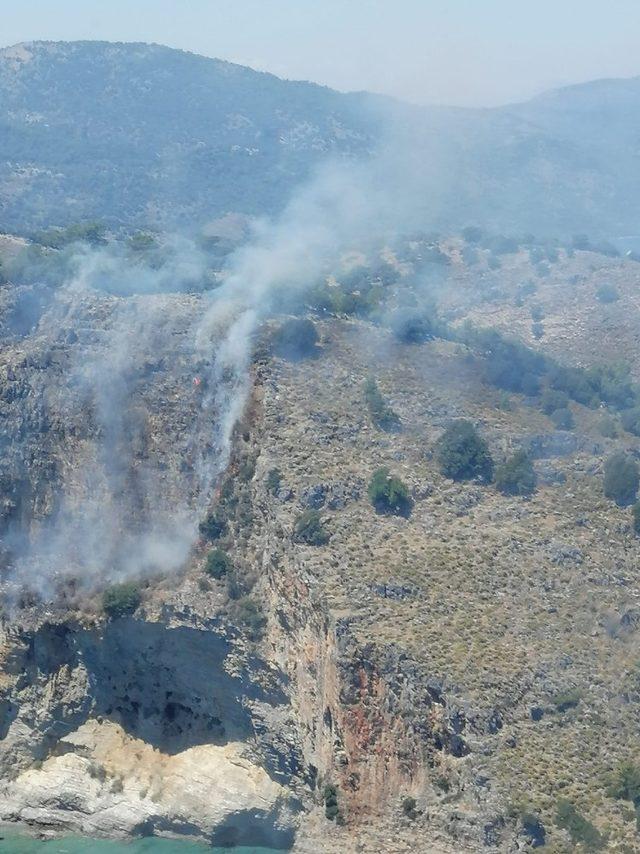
477, 655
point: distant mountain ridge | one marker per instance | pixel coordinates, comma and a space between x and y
144, 135
130, 132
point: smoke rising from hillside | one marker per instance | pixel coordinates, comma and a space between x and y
137, 512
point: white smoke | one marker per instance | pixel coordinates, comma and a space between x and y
345, 205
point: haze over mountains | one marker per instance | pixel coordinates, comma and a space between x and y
146, 136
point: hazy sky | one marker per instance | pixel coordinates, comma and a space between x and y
477, 52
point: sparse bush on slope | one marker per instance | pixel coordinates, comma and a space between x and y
213, 526
621, 478
308, 529
624, 783
218, 563
381, 413
273, 481
388, 493
119, 600
630, 420
516, 476
463, 454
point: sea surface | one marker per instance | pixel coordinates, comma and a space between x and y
13, 844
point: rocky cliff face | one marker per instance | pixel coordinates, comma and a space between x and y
136, 727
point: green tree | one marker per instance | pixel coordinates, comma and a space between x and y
624, 783
218, 563
516, 476
274, 480
462, 453
119, 600
308, 529
621, 478
630, 420
388, 493
213, 526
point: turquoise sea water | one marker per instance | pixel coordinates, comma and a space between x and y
12, 844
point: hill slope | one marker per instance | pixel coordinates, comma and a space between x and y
137, 133
143, 135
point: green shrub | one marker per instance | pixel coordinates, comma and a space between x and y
330, 793
93, 233
563, 419
388, 493
249, 614
635, 511
213, 526
309, 529
624, 783
579, 828
274, 480
537, 330
247, 469
630, 420
509, 364
621, 478
142, 241
608, 427
442, 783
516, 476
607, 294
330, 798
411, 326
462, 454
218, 563
575, 382
613, 384
121, 599
552, 399
409, 808
381, 413
297, 338
565, 700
